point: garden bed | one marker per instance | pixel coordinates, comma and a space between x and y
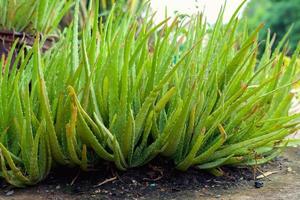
160, 180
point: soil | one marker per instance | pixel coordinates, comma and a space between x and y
159, 180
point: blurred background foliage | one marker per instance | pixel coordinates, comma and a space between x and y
105, 5
276, 15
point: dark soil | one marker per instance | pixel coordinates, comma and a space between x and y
158, 180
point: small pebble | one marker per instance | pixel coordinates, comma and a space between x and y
134, 182
97, 191
152, 185
258, 184
9, 193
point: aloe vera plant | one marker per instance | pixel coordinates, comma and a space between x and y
36, 130
200, 104
25, 154
128, 92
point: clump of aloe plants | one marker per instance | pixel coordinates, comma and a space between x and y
127, 92
42, 16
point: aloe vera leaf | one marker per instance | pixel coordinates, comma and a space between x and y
251, 143
7, 175
42, 158
34, 171
88, 137
188, 160
214, 164
15, 170
263, 160
177, 133
71, 131
55, 147
214, 147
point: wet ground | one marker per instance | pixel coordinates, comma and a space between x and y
159, 180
